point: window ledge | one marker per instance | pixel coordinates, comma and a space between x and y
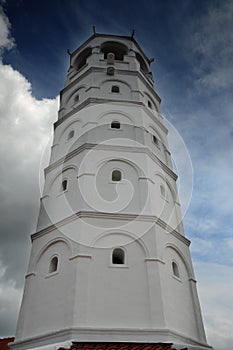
68, 141
116, 182
164, 198
177, 278
51, 274
115, 129
121, 266
63, 192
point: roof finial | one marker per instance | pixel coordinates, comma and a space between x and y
132, 34
93, 28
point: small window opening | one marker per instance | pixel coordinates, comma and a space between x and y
118, 256
115, 125
175, 269
64, 185
53, 264
162, 190
155, 140
76, 99
115, 89
116, 175
110, 71
70, 135
149, 104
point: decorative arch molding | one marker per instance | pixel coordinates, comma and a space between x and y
182, 257
68, 126
151, 100
48, 245
59, 173
112, 114
70, 96
152, 129
116, 81
169, 185
123, 160
132, 237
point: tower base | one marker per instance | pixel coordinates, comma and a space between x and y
122, 346
74, 345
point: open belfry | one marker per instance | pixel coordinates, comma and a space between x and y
110, 266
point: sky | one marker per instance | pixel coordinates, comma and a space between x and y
192, 43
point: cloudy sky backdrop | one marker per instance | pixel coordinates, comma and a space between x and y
192, 42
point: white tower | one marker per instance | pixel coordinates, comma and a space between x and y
109, 261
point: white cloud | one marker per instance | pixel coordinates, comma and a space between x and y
25, 128
215, 285
6, 41
201, 246
212, 190
230, 243
208, 136
26, 123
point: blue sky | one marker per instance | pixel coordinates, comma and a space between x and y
192, 43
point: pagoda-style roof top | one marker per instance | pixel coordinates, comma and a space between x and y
109, 36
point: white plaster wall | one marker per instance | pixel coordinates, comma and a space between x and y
107, 296
177, 296
48, 298
90, 117
90, 187
118, 294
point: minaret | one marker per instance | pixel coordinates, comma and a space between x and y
109, 261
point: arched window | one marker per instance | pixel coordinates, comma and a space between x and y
162, 190
64, 185
116, 175
115, 88
118, 256
115, 125
175, 269
149, 104
81, 60
155, 140
118, 49
76, 99
53, 264
70, 135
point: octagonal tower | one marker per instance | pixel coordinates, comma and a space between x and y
109, 260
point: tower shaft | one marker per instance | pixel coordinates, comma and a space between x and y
109, 260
